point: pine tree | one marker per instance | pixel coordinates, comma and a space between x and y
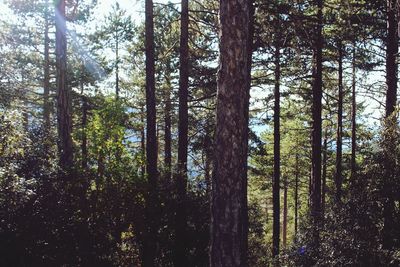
229, 187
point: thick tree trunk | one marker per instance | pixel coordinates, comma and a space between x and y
150, 241
353, 114
181, 181
63, 95
229, 187
277, 140
339, 129
316, 127
46, 72
391, 101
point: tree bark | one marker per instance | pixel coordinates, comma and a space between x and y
229, 187
339, 129
277, 140
181, 181
150, 241
317, 127
63, 93
389, 224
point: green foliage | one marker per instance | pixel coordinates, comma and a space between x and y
94, 216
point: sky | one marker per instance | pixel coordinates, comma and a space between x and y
135, 8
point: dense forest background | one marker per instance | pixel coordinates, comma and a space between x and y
199, 133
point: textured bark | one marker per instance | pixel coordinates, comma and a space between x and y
339, 129
181, 181
150, 241
277, 140
389, 225
353, 114
316, 126
229, 186
46, 71
63, 93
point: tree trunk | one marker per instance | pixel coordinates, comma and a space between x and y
285, 214
63, 95
116, 67
391, 55
167, 132
207, 170
181, 181
46, 72
84, 127
143, 141
391, 101
316, 127
150, 240
353, 114
277, 140
339, 129
229, 187
296, 197
324, 170
100, 167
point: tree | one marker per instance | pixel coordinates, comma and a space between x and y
181, 181
117, 31
392, 49
63, 92
316, 125
277, 159
149, 249
353, 112
391, 54
46, 70
339, 129
229, 194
